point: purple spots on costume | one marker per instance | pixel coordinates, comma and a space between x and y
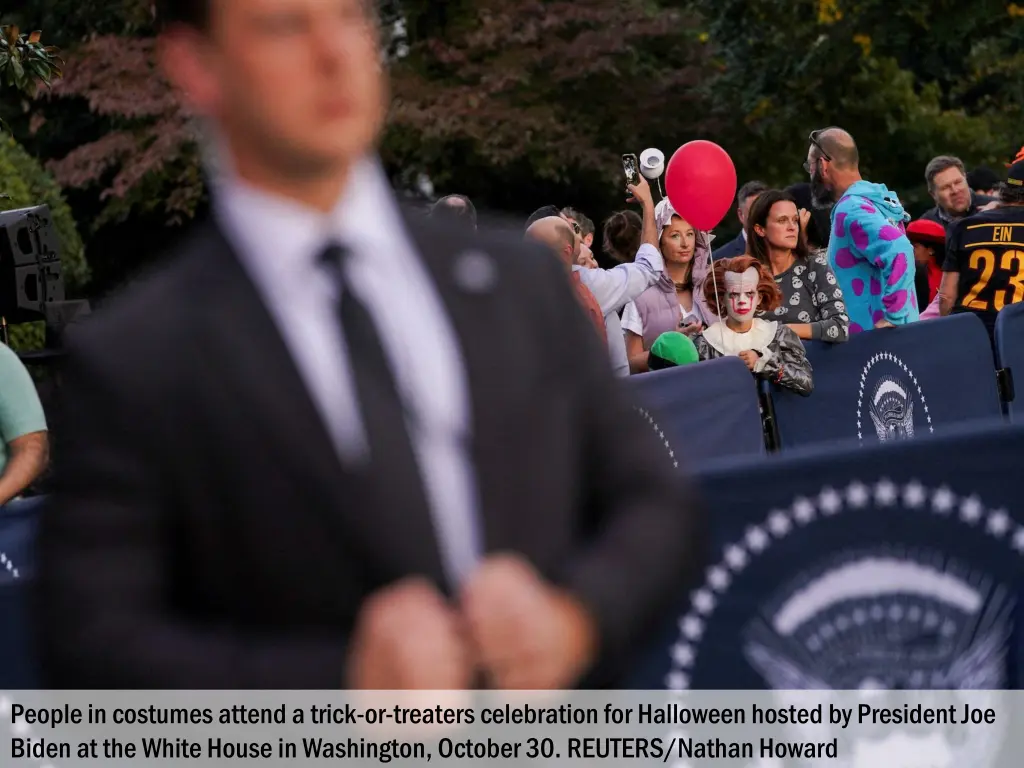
858, 286
876, 287
845, 258
877, 315
855, 328
860, 237
889, 232
899, 269
903, 228
913, 300
894, 301
866, 206
840, 225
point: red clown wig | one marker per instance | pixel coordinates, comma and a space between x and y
714, 284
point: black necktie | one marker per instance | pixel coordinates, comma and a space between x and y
395, 478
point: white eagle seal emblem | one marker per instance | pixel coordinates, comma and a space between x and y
890, 397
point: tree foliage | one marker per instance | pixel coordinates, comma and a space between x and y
146, 159
553, 91
25, 62
910, 80
519, 103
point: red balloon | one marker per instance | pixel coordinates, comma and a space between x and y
701, 183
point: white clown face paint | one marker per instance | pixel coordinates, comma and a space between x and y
741, 295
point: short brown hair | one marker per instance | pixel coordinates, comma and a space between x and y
622, 235
939, 164
586, 224
714, 284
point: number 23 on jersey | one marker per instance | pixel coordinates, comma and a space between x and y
1011, 263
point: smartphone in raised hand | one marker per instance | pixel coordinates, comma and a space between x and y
631, 167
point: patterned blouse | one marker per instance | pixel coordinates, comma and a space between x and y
811, 295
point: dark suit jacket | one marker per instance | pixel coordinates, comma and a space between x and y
735, 247
203, 533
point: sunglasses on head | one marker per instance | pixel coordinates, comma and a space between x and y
813, 139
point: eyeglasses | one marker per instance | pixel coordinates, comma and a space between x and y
813, 139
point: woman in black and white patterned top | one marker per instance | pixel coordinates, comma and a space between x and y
812, 301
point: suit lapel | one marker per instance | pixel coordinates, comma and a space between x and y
243, 334
470, 284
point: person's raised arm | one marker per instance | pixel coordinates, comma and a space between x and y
615, 288
642, 194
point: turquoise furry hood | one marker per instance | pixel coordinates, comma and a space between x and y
883, 198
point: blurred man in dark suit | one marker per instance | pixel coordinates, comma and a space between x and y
331, 446
745, 198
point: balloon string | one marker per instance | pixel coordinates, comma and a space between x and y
714, 282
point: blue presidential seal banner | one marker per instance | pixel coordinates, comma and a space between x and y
892, 568
702, 413
892, 385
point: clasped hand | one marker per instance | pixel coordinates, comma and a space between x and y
750, 358
509, 628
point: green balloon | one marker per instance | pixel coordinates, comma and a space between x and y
671, 349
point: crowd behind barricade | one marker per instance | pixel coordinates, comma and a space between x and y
817, 261
330, 444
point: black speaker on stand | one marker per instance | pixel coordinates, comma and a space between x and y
31, 279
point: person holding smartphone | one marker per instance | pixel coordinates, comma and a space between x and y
618, 287
676, 302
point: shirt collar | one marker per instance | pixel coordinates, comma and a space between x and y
280, 237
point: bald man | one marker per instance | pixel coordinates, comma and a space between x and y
868, 249
558, 236
455, 209
615, 288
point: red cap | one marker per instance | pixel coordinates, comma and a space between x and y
926, 231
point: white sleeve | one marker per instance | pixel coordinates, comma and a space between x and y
631, 320
614, 288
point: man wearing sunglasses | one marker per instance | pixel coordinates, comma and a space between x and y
868, 248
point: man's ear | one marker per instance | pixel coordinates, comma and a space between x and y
183, 54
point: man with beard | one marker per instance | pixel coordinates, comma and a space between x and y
868, 249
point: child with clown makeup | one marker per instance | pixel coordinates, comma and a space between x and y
736, 289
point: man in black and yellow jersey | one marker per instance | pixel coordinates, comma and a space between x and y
984, 266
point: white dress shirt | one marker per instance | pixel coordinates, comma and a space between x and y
279, 241
615, 288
